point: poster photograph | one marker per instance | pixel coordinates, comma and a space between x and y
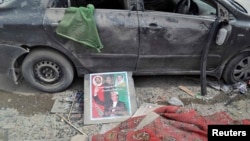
109, 97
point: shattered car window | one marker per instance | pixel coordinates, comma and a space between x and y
58, 4
102, 4
205, 7
160, 5
196, 7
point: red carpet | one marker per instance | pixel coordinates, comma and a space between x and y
173, 124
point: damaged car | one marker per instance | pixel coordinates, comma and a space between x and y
146, 37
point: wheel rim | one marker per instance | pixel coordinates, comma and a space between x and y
242, 70
47, 72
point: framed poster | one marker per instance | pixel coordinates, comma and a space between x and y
108, 97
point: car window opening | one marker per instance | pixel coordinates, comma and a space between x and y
197, 7
101, 4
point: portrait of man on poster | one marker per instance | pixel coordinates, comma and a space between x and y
120, 82
113, 108
97, 80
109, 97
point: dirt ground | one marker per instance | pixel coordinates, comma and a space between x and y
159, 89
149, 89
27, 104
28, 116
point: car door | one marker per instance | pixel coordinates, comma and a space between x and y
118, 31
172, 42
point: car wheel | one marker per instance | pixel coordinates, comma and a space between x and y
47, 70
238, 69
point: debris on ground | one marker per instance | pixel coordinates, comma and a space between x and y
175, 101
232, 98
185, 89
146, 115
79, 138
193, 126
107, 127
146, 108
68, 122
19, 122
71, 104
240, 87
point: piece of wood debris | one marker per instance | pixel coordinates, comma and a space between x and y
185, 89
71, 108
64, 119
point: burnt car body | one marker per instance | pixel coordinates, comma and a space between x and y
146, 37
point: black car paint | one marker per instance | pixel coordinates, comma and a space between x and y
8, 58
130, 44
120, 38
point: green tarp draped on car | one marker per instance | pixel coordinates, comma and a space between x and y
78, 24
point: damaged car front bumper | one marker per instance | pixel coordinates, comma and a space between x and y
8, 57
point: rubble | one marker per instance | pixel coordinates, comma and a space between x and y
175, 101
47, 126
185, 89
240, 87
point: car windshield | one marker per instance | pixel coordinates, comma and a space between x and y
242, 5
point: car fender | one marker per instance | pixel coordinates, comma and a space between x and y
8, 56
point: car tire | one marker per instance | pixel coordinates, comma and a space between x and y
238, 69
47, 70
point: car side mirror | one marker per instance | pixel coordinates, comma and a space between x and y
223, 34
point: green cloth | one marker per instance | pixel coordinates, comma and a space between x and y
78, 24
